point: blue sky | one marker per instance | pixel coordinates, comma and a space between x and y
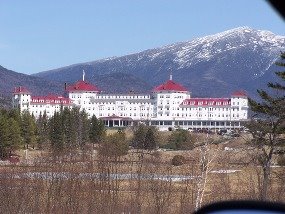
38, 35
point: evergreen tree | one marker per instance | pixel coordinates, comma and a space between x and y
150, 141
69, 126
14, 134
10, 134
56, 134
84, 129
180, 139
138, 140
79, 128
4, 139
76, 128
15, 114
115, 145
42, 131
97, 131
28, 129
268, 125
69, 130
145, 137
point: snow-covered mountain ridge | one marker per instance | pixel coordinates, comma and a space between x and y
215, 65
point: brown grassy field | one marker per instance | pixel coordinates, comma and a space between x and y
139, 182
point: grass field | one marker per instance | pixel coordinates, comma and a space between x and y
89, 183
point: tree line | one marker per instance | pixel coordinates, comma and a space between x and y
71, 129
67, 129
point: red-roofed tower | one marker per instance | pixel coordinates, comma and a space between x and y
82, 92
21, 98
168, 97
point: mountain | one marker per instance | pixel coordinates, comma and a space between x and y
215, 65
38, 86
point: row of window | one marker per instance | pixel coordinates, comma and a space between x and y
168, 102
110, 103
200, 115
45, 106
112, 97
194, 123
123, 97
102, 108
166, 96
74, 96
126, 115
52, 101
199, 109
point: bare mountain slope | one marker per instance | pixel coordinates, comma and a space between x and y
39, 86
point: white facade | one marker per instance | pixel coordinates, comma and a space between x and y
38, 105
169, 105
137, 107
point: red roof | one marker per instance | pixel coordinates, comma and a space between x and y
82, 86
207, 102
170, 85
21, 90
239, 94
51, 99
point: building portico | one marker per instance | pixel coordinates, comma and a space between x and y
116, 121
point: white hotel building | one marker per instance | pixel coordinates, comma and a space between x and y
170, 105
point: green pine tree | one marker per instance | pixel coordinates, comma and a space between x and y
97, 130
68, 121
14, 134
42, 131
4, 137
10, 134
180, 139
56, 134
268, 124
114, 146
28, 129
84, 129
150, 141
139, 137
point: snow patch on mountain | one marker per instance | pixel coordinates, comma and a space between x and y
207, 47
205, 65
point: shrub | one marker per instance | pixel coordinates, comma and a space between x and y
145, 137
281, 160
178, 160
115, 145
180, 140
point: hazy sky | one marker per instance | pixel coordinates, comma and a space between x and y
38, 35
